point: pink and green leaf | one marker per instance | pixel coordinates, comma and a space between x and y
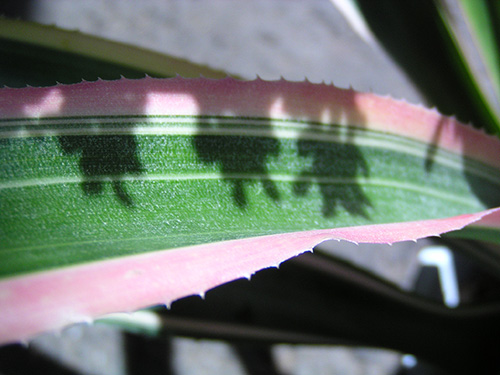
117, 195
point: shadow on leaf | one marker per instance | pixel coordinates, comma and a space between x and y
237, 157
335, 167
104, 158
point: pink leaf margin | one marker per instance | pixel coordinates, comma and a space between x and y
50, 300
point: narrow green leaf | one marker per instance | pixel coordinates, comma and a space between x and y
483, 23
473, 45
41, 52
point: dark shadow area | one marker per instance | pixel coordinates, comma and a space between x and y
487, 191
237, 157
422, 368
256, 359
477, 265
20, 9
477, 285
428, 285
23, 64
111, 157
431, 148
494, 10
342, 161
331, 300
147, 355
483, 188
17, 359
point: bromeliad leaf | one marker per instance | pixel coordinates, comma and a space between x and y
98, 179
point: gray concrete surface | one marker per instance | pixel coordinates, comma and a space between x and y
290, 38
294, 39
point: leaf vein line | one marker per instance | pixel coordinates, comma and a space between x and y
362, 181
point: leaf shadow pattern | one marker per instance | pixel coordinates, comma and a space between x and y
224, 139
103, 158
106, 147
335, 164
475, 173
238, 156
235, 134
334, 168
432, 147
